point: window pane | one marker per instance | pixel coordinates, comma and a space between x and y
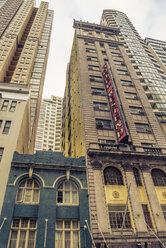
31, 239
28, 195
22, 239
35, 195
75, 224
60, 197
15, 223
13, 239
29, 183
74, 197
67, 224
59, 224
19, 195
32, 223
67, 197
67, 185
67, 240
24, 223
58, 240
75, 240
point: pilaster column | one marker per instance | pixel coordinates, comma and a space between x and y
158, 218
101, 207
136, 208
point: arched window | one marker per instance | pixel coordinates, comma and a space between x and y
159, 177
113, 176
137, 177
67, 193
28, 191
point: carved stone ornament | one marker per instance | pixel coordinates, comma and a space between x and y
164, 195
144, 167
126, 166
115, 194
96, 163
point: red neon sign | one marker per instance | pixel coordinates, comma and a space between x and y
120, 128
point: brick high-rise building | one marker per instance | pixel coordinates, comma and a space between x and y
48, 136
24, 45
110, 119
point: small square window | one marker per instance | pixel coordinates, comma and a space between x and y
6, 127
1, 153
5, 105
13, 106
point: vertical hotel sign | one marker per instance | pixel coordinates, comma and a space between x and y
113, 99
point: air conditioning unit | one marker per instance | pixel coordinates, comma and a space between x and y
99, 124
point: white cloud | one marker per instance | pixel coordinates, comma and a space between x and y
148, 17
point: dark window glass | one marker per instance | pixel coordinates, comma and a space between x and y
147, 215
113, 176
13, 106
103, 124
141, 127
5, 105
6, 127
159, 177
117, 214
137, 177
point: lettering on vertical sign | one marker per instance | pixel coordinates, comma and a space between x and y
118, 119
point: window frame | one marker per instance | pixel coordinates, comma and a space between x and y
30, 189
159, 181
64, 193
22, 229
64, 230
116, 213
5, 105
1, 153
13, 106
6, 127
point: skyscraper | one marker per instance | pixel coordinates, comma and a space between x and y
24, 45
158, 49
148, 70
48, 136
109, 118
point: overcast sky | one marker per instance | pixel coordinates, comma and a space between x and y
148, 17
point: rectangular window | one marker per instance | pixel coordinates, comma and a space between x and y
163, 207
131, 95
1, 153
0, 123
13, 106
67, 234
117, 62
94, 78
116, 54
122, 72
6, 127
136, 110
100, 106
141, 127
116, 216
90, 50
98, 91
89, 43
5, 105
93, 68
147, 215
126, 83
23, 233
92, 58
103, 124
